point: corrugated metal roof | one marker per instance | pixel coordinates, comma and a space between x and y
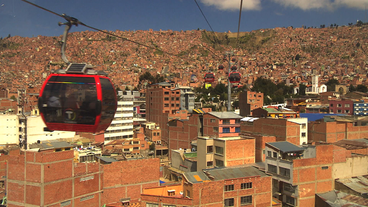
226, 115
358, 184
196, 177
340, 199
231, 173
285, 146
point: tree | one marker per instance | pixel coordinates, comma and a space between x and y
13, 98
352, 88
362, 88
331, 84
302, 88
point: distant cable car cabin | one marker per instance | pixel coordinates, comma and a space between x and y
77, 99
209, 77
233, 68
221, 67
234, 77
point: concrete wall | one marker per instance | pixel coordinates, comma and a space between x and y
354, 166
9, 131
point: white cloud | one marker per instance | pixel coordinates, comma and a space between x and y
355, 4
233, 4
323, 4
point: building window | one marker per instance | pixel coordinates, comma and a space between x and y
284, 172
272, 168
304, 126
177, 105
215, 129
290, 200
226, 122
209, 149
209, 164
289, 188
303, 134
274, 154
166, 98
151, 205
166, 93
219, 163
173, 98
229, 187
237, 129
347, 111
171, 192
331, 105
177, 98
229, 202
324, 167
212, 120
269, 154
226, 130
339, 111
347, 105
166, 105
246, 200
246, 185
188, 193
219, 150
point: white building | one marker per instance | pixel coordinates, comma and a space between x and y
122, 125
303, 122
13, 130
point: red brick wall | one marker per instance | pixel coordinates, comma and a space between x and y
240, 152
53, 171
127, 178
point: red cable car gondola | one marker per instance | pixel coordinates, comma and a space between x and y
77, 99
77, 102
209, 77
234, 77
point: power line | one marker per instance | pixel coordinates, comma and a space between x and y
76, 22
237, 37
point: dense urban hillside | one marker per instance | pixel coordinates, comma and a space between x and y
280, 54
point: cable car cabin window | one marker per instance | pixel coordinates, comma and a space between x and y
70, 100
108, 101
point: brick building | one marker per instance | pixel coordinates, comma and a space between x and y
334, 128
224, 152
50, 178
301, 172
248, 101
341, 107
282, 129
236, 186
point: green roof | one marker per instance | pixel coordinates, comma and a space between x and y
190, 155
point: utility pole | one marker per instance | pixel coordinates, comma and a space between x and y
21, 102
229, 54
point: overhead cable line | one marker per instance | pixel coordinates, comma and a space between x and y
240, 11
76, 22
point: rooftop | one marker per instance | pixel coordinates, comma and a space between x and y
285, 146
226, 115
231, 173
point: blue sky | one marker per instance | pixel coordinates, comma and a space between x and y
18, 18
